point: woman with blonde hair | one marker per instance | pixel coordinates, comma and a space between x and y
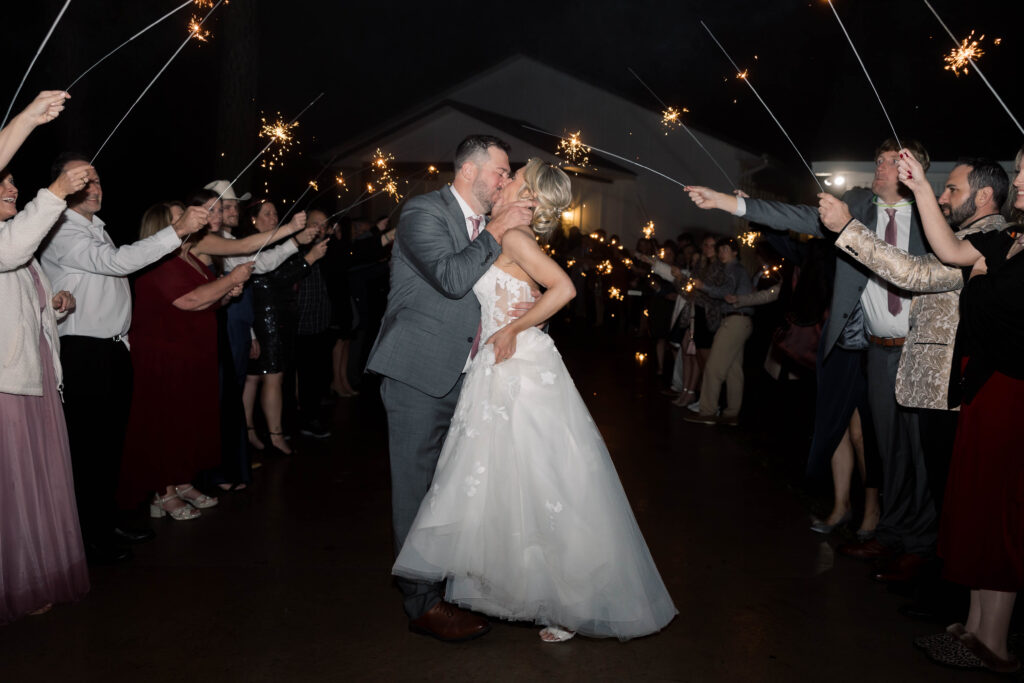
526, 517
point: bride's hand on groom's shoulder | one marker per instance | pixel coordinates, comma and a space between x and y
510, 215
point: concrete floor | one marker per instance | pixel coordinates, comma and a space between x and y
290, 580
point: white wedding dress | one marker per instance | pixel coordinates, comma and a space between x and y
526, 517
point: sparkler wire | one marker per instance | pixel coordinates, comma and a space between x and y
164, 68
104, 57
765, 105
616, 156
33, 62
866, 74
682, 125
976, 69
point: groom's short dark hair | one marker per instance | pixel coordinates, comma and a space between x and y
476, 144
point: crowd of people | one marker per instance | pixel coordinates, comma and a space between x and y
132, 372
901, 312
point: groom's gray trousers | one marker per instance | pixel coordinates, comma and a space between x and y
417, 426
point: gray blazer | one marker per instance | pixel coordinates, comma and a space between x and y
432, 315
851, 277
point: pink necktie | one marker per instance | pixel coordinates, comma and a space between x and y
476, 221
895, 304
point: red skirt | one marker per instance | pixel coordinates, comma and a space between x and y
981, 534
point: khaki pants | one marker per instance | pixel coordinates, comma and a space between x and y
725, 364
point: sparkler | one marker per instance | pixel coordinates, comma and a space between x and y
866, 74
640, 357
958, 59
977, 70
574, 150
146, 89
173, 11
614, 156
615, 294
671, 118
604, 267
648, 230
197, 30
46, 39
747, 239
742, 75
280, 132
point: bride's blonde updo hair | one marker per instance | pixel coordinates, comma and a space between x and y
551, 188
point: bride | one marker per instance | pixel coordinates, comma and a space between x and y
526, 518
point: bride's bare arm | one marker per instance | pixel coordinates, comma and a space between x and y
522, 248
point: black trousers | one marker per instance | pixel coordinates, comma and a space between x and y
97, 400
313, 371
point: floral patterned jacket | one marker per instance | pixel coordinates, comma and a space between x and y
922, 380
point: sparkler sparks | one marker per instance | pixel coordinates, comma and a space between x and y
648, 230
280, 138
960, 58
640, 358
340, 179
573, 150
203, 3
604, 267
195, 28
743, 74
671, 117
747, 239
615, 294
312, 183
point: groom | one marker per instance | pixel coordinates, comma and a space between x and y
443, 245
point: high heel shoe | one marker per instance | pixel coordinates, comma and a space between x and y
158, 508
201, 501
272, 448
820, 526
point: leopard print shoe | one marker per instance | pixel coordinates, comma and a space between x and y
947, 650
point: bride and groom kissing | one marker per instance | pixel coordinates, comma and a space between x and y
504, 498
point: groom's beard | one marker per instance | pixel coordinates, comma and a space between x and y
483, 195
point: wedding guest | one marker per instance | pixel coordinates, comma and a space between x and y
174, 427
343, 321
725, 361
81, 257
275, 324
313, 341
42, 560
707, 316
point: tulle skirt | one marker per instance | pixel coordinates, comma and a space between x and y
526, 517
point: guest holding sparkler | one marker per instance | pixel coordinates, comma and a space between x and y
275, 323
707, 316
42, 560
81, 257
313, 371
867, 311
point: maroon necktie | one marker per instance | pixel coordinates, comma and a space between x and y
895, 304
476, 221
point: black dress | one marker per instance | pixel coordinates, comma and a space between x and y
276, 315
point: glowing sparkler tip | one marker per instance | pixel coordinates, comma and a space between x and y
573, 149
747, 239
743, 74
195, 28
648, 230
959, 58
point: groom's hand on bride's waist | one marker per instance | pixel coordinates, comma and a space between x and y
510, 215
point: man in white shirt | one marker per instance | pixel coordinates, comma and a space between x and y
866, 309
80, 257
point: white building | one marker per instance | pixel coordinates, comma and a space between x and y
608, 193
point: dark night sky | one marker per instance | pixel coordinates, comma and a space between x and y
373, 60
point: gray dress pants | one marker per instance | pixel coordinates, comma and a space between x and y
417, 426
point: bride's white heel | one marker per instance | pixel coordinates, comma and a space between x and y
554, 634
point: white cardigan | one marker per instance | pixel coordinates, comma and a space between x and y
21, 371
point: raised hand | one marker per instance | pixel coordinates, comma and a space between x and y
194, 219
242, 273
706, 198
834, 212
306, 235
911, 173
510, 215
297, 223
45, 107
71, 181
316, 252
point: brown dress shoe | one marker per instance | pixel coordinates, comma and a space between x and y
868, 550
447, 622
907, 567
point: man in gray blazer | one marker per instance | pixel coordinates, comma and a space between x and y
443, 245
865, 308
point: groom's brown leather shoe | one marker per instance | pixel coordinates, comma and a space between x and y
447, 622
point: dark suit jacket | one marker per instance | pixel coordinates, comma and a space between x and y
432, 314
851, 277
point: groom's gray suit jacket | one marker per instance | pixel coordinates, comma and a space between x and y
432, 315
851, 277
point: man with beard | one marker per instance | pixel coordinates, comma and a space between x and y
974, 192
443, 245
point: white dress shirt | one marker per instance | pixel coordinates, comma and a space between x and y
878, 321
269, 258
82, 259
468, 212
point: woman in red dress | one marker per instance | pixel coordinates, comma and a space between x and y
981, 535
174, 427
